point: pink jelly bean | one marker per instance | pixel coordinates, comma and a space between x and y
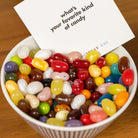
45, 94
94, 107
63, 75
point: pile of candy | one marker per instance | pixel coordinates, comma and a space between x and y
68, 90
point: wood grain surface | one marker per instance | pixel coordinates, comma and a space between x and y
12, 31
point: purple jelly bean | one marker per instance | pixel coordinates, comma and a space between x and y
43, 119
11, 66
73, 123
121, 82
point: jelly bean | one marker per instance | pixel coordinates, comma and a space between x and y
43, 119
98, 116
45, 94
74, 55
11, 76
121, 98
60, 107
11, 66
51, 114
33, 52
59, 56
114, 69
24, 106
78, 101
44, 108
94, 107
43, 54
57, 86
77, 86
46, 82
128, 77
16, 96
34, 87
73, 123
103, 88
94, 71
22, 86
33, 100
112, 78
47, 73
23, 52
100, 62
49, 101
59, 66
88, 102
25, 77
40, 64
63, 99
83, 74
105, 71
85, 119
35, 113
25, 69
36, 75
67, 89
81, 63
74, 114
89, 83
53, 104
49, 60
95, 96
92, 56
84, 109
72, 71
60, 75
105, 96
109, 107
11, 86
17, 60
62, 115
55, 122
123, 64
28, 61
86, 93
115, 89
99, 81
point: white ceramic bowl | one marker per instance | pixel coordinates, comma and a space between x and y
50, 131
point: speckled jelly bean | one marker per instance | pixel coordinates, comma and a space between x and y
94, 107
34, 87
43, 119
83, 74
23, 52
86, 93
33, 52
114, 69
115, 89
94, 71
67, 88
59, 56
55, 122
44, 108
47, 73
11, 66
40, 64
85, 119
36, 75
25, 69
92, 56
81, 63
28, 61
105, 71
111, 58
101, 62
89, 83
35, 113
60, 107
99, 81
60, 75
78, 101
17, 60
113, 78
62, 115
109, 107
73, 123
11, 76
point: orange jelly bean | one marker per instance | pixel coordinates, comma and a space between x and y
60, 107
25, 77
86, 93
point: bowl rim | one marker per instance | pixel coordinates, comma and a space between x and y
37, 122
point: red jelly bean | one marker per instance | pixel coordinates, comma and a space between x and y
59, 56
101, 62
49, 60
83, 74
128, 77
28, 61
77, 86
95, 96
81, 63
59, 66
85, 119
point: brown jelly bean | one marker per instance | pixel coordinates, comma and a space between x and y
89, 83
51, 114
74, 114
49, 101
89, 102
36, 75
84, 109
35, 113
72, 71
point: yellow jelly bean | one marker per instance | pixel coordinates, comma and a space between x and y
121, 98
111, 58
11, 86
16, 96
105, 71
92, 56
99, 81
40, 64
25, 69
109, 107
55, 122
94, 71
57, 86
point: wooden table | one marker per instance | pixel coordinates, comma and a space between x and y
12, 31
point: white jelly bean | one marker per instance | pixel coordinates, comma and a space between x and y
78, 101
57, 75
94, 107
43, 54
22, 86
34, 87
45, 94
62, 115
23, 52
33, 101
47, 73
67, 89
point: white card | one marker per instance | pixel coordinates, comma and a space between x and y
75, 24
